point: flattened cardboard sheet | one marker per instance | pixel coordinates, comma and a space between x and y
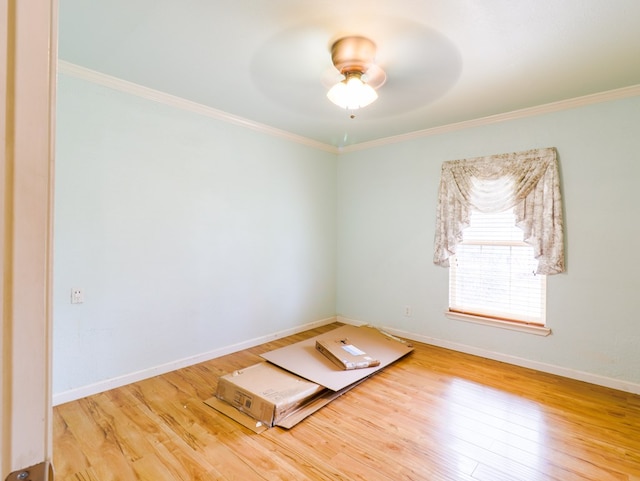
314, 405
303, 359
237, 415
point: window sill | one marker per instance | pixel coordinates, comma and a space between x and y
513, 326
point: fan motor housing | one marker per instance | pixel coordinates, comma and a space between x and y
353, 54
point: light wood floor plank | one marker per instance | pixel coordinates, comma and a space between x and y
74, 459
435, 415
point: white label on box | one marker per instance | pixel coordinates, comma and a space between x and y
353, 350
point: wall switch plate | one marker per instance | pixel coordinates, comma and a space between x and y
77, 295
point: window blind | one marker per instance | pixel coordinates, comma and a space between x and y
493, 272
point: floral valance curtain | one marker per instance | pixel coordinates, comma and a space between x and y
527, 181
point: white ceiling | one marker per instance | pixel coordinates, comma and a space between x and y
446, 61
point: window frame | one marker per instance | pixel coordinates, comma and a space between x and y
460, 313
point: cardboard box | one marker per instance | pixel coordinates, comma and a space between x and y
266, 392
346, 355
298, 380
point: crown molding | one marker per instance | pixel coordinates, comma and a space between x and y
99, 78
115, 83
610, 95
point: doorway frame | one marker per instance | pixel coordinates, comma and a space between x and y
28, 53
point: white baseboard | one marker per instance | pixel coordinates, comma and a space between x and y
604, 381
352, 322
95, 388
98, 387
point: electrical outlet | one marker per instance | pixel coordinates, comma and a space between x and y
407, 311
77, 295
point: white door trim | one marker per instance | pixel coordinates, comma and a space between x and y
28, 39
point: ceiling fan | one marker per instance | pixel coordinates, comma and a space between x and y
354, 58
407, 64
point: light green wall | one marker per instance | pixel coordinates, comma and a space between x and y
186, 233
386, 217
189, 235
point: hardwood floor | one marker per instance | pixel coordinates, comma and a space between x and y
434, 415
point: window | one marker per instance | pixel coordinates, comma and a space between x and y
499, 228
492, 275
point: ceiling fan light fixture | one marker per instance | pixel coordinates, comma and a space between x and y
352, 93
353, 57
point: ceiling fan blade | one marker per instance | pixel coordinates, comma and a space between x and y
330, 77
375, 76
